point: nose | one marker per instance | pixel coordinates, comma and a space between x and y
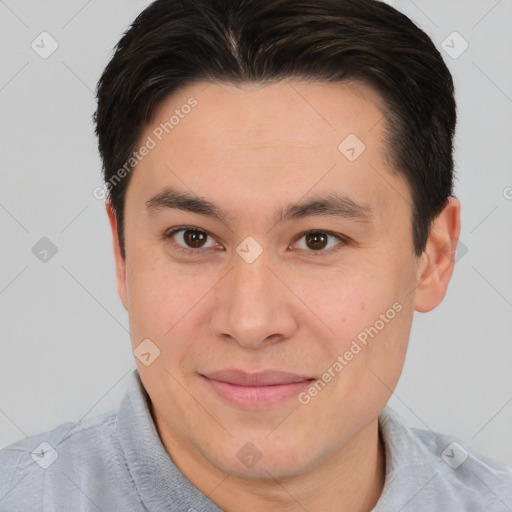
254, 307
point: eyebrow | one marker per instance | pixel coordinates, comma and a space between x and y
331, 204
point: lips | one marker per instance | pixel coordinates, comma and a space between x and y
257, 390
267, 378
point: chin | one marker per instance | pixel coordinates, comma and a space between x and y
265, 470
260, 463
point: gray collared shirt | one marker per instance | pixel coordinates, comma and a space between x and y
116, 462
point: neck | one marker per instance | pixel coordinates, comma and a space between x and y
350, 480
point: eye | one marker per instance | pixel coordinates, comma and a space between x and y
318, 242
190, 239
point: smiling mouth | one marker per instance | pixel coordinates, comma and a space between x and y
253, 391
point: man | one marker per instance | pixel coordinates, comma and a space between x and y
280, 193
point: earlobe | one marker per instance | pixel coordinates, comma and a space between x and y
436, 264
120, 262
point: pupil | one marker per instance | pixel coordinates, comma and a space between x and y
315, 239
194, 238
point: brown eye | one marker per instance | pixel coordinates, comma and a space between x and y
190, 240
316, 240
194, 238
320, 242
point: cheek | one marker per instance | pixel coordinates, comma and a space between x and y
167, 305
157, 297
368, 318
346, 301
390, 345
157, 284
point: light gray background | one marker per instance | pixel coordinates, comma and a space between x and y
65, 348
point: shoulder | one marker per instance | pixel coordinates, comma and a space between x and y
466, 469
430, 469
54, 463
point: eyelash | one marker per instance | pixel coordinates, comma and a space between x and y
344, 240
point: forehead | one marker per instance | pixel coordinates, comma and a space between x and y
265, 142
314, 114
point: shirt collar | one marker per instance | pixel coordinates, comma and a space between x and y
407, 460
157, 479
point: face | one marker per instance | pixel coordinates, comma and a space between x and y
324, 291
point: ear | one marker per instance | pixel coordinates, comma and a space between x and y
119, 260
436, 264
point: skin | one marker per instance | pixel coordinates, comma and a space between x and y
253, 150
